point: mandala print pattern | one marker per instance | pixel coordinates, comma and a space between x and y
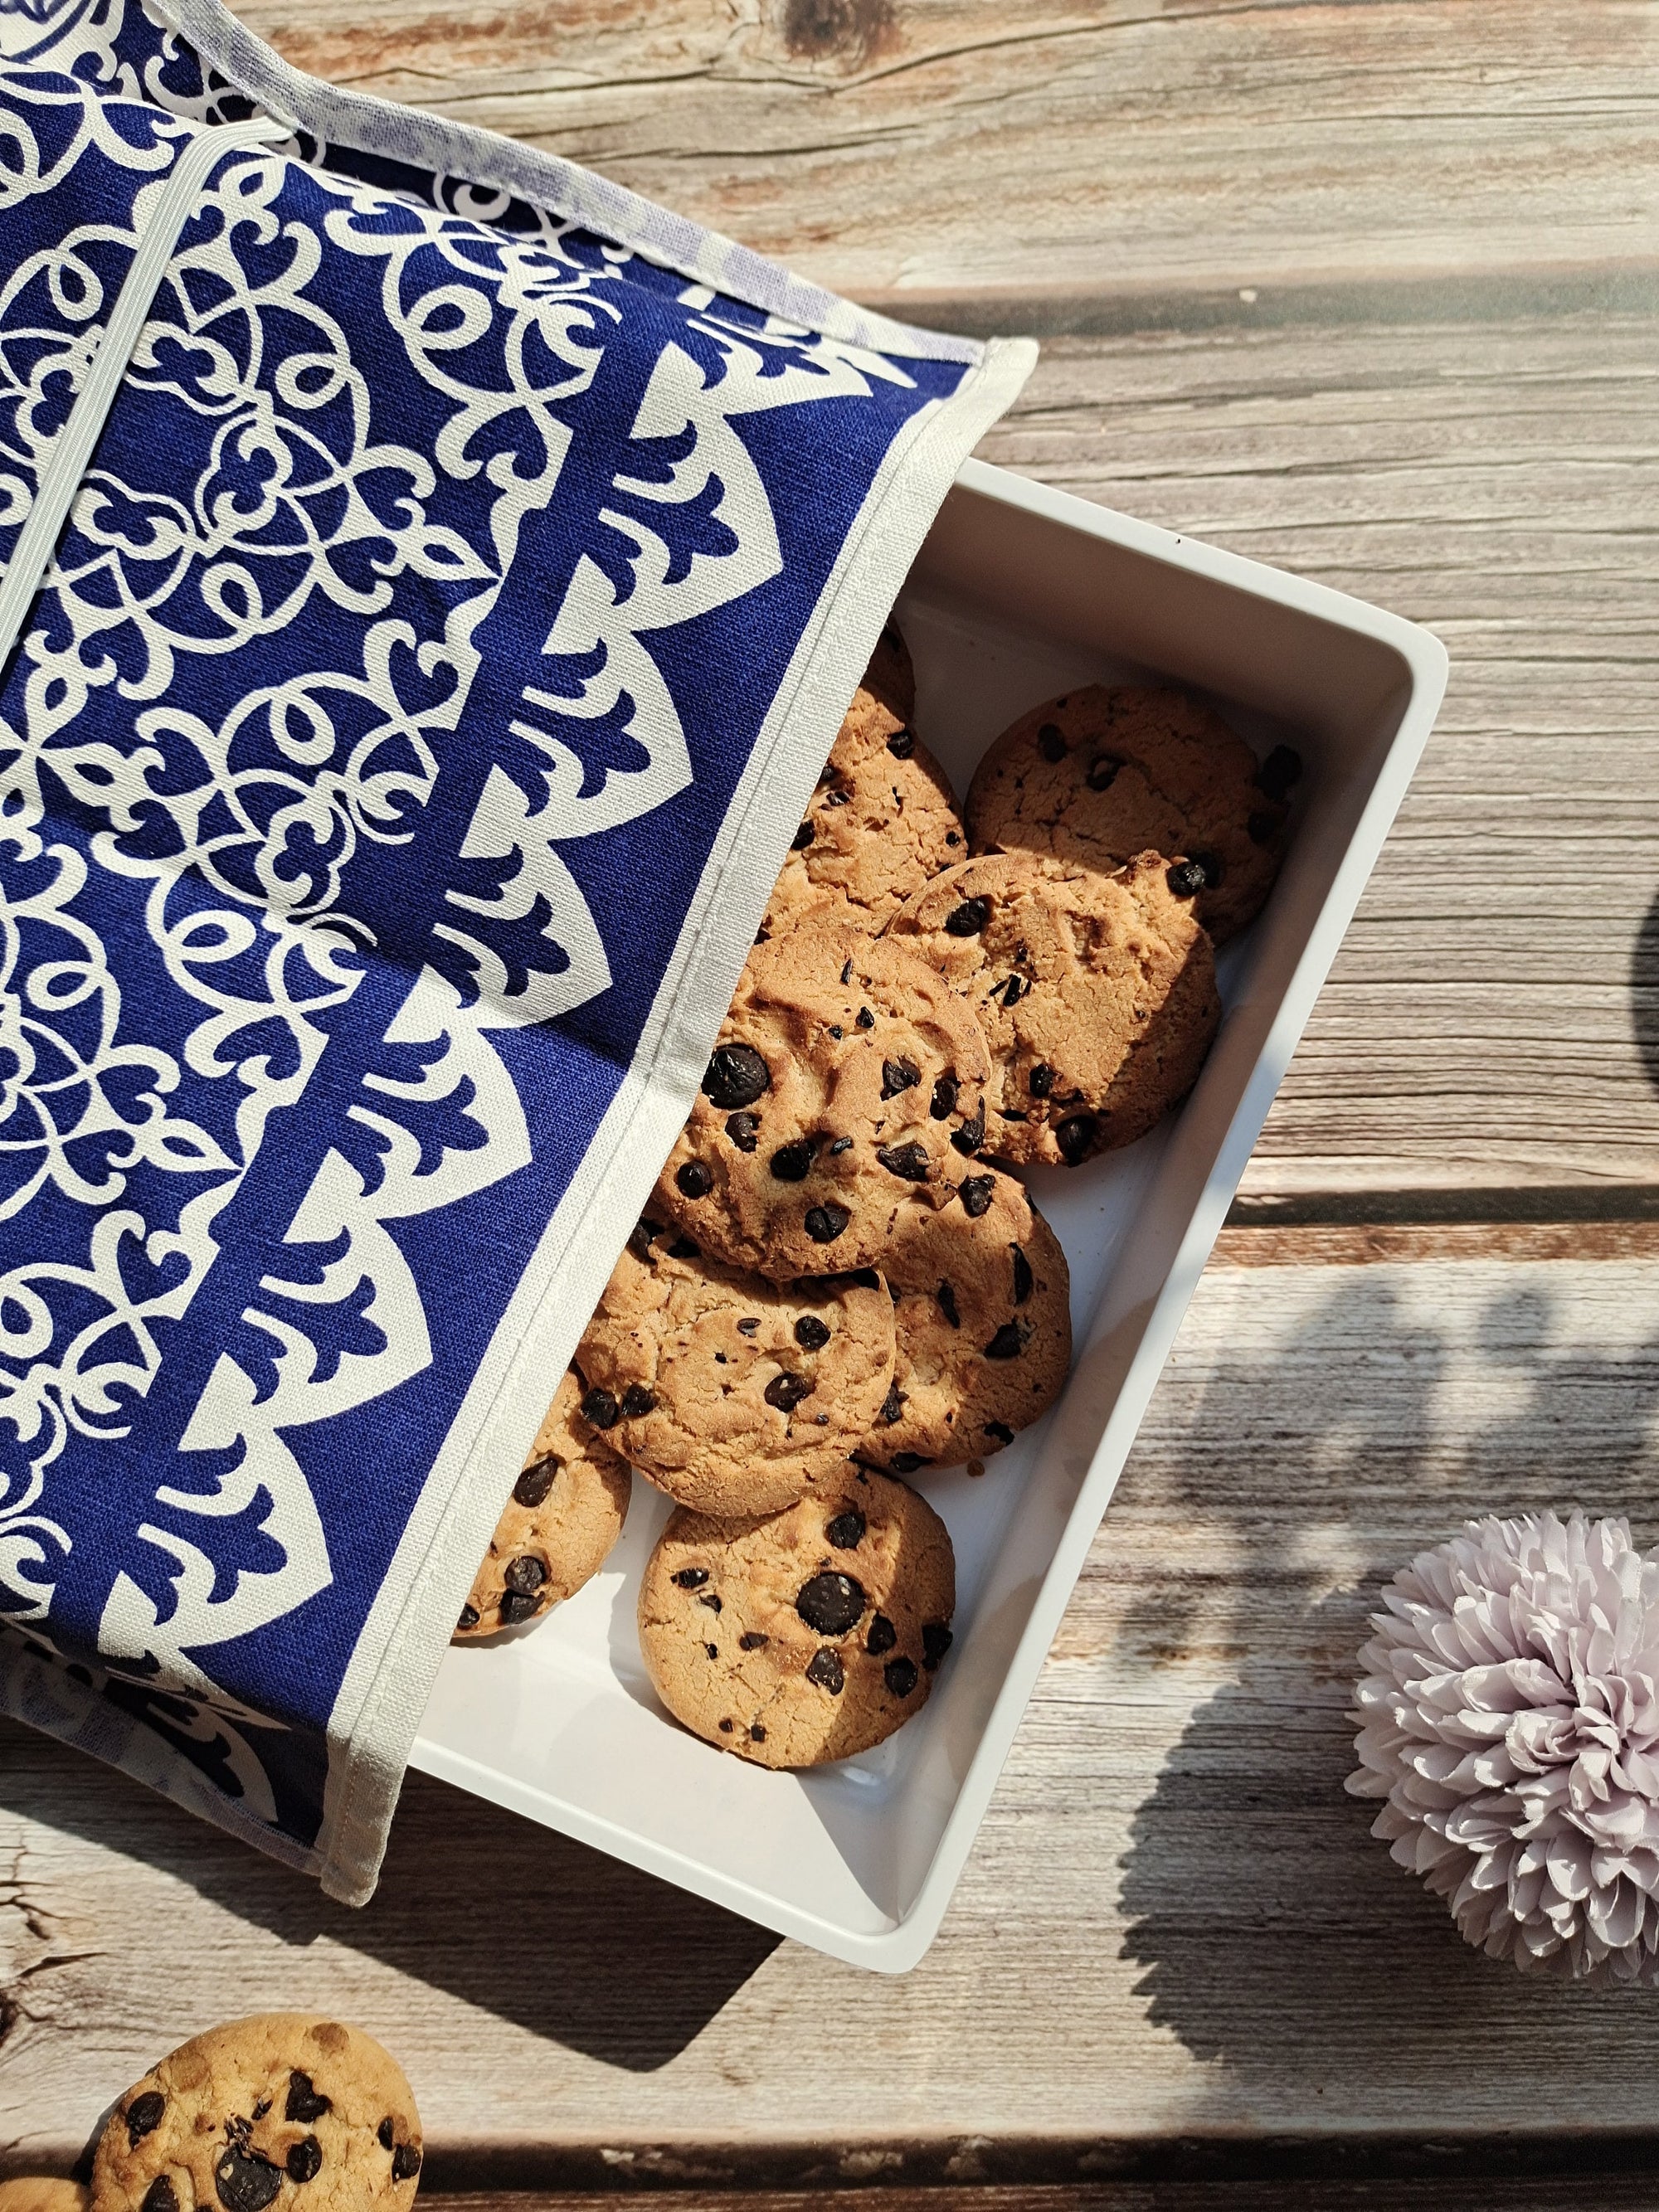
437, 573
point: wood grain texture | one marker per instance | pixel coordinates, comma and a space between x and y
941, 145
1175, 1928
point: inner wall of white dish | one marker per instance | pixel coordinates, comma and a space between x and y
559, 1721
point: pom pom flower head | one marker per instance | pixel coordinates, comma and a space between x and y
1509, 1718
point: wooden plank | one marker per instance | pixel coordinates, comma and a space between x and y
1493, 1019
1215, 142
1175, 1928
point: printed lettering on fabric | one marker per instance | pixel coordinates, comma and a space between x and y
432, 582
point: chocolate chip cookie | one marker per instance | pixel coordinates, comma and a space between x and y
1096, 994
1102, 774
795, 1638
883, 819
558, 1527
984, 1323
847, 1088
31, 2192
281, 2109
734, 1394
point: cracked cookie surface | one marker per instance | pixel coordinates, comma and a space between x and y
1102, 774
281, 2109
734, 1394
847, 1088
796, 1637
983, 1319
1095, 994
558, 1528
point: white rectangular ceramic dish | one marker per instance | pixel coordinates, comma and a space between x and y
1020, 592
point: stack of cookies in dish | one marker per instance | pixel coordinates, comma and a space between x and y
838, 1283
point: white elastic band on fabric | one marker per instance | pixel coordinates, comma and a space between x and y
72, 449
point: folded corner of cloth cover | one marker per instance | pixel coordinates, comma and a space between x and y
434, 578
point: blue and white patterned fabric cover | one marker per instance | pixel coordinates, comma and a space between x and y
449, 627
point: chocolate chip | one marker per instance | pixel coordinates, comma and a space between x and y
952, 838
743, 1130
469, 1617
811, 1333
304, 2102
826, 1670
637, 1401
752, 1640
1281, 768
907, 1462
891, 1406
1213, 870
971, 1135
517, 1606
901, 1676
683, 1248
943, 1101
802, 838
836, 1031
144, 2116
1012, 1113
1185, 880
601, 1408
1022, 1276
641, 1234
793, 1163
823, 1224
387, 2133
846, 971
910, 1161
724, 1728
305, 2160
1041, 1079
757, 1732
1050, 744
902, 744
882, 1637
898, 1075
947, 1305
936, 1641
1000, 1429
405, 2162
748, 1326
244, 2181
969, 919
689, 1578
712, 1650
839, 798
737, 1076
160, 2196
831, 1604
1102, 771
1009, 1340
1076, 1138
694, 1180
531, 1488
1263, 829
842, 1145
976, 1192
1010, 991
785, 1391
525, 1575
846, 1531
711, 1601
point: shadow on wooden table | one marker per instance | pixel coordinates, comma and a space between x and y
562, 1941
1276, 1935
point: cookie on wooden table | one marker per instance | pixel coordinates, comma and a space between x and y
846, 1090
30, 2192
558, 1527
734, 1394
983, 1318
1102, 773
1096, 994
883, 820
281, 2109
795, 1638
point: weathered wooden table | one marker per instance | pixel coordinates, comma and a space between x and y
1368, 290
